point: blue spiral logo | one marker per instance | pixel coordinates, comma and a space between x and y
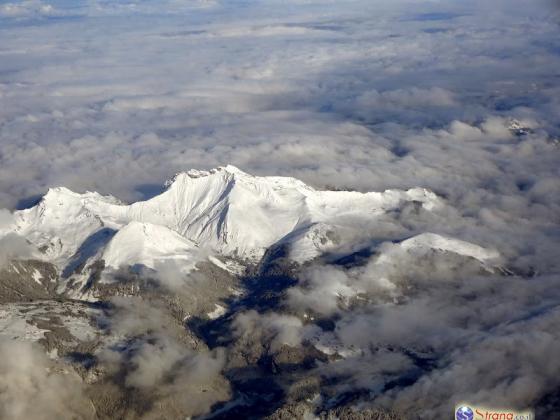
464, 413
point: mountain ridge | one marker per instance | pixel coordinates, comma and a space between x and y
221, 212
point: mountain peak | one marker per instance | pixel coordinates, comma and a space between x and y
198, 173
58, 191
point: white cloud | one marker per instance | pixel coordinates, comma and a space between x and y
32, 386
26, 8
276, 329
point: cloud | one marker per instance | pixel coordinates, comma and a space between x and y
345, 99
491, 371
155, 355
12, 245
325, 287
6, 219
426, 323
434, 342
272, 328
32, 386
26, 8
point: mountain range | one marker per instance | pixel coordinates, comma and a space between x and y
224, 214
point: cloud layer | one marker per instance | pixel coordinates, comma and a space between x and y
339, 101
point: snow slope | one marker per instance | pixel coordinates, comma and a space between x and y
145, 243
421, 245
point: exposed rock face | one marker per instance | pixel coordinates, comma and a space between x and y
27, 280
106, 343
303, 411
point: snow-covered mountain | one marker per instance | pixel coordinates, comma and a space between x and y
223, 212
226, 271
